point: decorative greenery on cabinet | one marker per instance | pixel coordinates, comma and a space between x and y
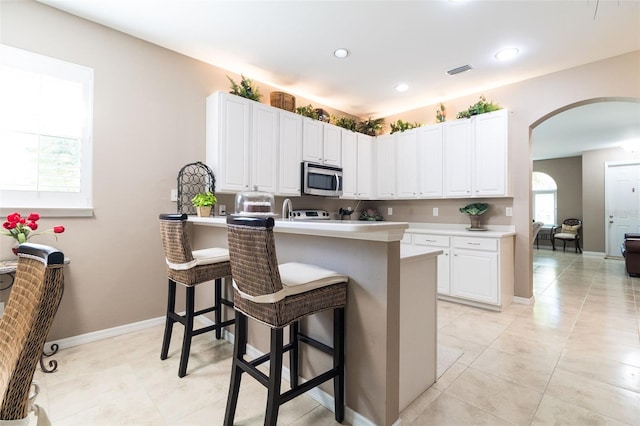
479, 107
246, 89
441, 113
371, 127
307, 111
401, 126
345, 122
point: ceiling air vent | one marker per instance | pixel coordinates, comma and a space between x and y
458, 70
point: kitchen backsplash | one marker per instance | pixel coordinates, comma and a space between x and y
403, 210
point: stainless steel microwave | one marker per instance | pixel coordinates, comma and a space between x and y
318, 179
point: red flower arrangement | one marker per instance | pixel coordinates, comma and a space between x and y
22, 228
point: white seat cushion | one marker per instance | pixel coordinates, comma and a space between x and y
202, 257
298, 278
565, 236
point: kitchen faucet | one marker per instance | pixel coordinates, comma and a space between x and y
287, 209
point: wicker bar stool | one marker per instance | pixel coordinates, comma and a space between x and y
191, 268
32, 305
277, 296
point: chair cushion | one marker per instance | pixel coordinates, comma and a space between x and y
297, 278
568, 229
206, 256
565, 236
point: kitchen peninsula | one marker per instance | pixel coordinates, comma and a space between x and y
377, 334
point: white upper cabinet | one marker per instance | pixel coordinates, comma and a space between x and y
349, 164
491, 163
407, 164
458, 158
365, 171
321, 143
312, 140
290, 154
385, 166
264, 148
430, 161
332, 146
228, 140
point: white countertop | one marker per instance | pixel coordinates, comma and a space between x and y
459, 230
351, 229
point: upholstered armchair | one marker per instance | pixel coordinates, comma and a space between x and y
570, 231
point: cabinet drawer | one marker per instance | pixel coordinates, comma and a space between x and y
431, 240
475, 243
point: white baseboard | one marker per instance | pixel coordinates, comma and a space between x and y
81, 339
317, 394
523, 300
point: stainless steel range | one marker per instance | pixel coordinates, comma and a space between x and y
310, 214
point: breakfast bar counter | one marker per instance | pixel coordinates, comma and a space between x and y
369, 253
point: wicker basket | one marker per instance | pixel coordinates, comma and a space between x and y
283, 101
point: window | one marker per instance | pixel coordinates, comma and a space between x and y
545, 204
46, 114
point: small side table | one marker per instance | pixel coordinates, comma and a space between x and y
545, 234
9, 267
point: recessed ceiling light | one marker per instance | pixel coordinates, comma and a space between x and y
506, 54
402, 87
341, 53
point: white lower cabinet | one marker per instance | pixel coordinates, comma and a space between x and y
473, 270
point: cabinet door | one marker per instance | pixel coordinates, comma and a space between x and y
365, 166
264, 148
385, 167
349, 164
490, 176
290, 154
313, 135
332, 147
407, 164
458, 157
474, 275
430, 159
444, 280
228, 140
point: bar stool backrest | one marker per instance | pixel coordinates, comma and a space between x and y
33, 302
175, 239
252, 251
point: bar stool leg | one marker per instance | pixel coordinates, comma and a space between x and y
338, 363
168, 325
218, 307
275, 376
294, 353
239, 350
188, 331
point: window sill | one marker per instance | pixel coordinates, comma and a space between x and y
49, 212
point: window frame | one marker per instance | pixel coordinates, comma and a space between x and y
553, 191
56, 203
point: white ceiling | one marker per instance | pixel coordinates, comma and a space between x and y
290, 44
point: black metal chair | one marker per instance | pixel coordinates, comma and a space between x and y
191, 268
569, 231
277, 296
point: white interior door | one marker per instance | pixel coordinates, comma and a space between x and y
622, 186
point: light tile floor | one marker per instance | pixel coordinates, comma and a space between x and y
571, 358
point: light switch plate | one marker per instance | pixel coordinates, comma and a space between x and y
390, 211
435, 211
174, 195
509, 211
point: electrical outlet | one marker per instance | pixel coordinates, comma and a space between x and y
509, 211
222, 210
390, 211
174, 195
435, 211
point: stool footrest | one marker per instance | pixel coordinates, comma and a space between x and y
308, 385
315, 343
212, 327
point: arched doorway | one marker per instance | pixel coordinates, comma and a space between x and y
594, 130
